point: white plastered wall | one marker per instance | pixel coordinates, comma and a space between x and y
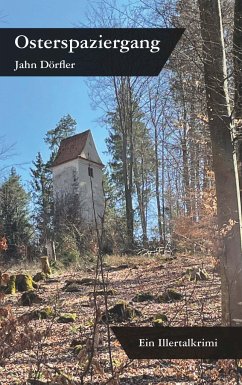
72, 175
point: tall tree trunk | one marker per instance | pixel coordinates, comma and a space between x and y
127, 192
185, 173
124, 106
162, 188
237, 53
140, 197
157, 182
129, 129
238, 59
184, 147
228, 200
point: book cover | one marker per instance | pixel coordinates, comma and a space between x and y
120, 203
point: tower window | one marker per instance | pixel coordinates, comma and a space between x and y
90, 171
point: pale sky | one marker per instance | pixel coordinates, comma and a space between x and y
30, 106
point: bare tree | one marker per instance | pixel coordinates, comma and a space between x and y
6, 153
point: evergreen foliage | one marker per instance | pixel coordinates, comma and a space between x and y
42, 184
65, 127
14, 215
42, 194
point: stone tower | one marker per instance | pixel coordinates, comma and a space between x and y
77, 172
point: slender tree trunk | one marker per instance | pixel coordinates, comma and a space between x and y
157, 183
184, 146
129, 119
141, 205
163, 188
128, 193
186, 182
144, 200
197, 196
192, 166
228, 200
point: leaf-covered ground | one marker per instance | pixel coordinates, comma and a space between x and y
48, 346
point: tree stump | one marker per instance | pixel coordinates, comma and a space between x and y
45, 265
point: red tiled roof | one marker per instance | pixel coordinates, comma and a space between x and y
71, 148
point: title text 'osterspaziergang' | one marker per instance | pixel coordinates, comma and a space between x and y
23, 42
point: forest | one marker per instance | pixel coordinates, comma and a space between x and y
168, 250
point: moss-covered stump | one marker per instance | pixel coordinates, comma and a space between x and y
11, 287
160, 316
21, 283
44, 313
158, 323
76, 341
121, 312
169, 296
102, 292
77, 348
160, 320
75, 285
196, 274
89, 281
40, 276
143, 296
82, 281
30, 297
72, 288
45, 265
24, 282
123, 266
67, 318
